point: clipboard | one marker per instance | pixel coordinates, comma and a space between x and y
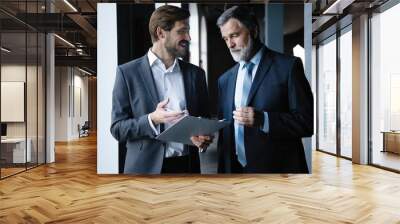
189, 126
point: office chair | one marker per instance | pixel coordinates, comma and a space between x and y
84, 130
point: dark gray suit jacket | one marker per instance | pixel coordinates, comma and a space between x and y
280, 87
134, 97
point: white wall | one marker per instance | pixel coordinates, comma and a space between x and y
12, 101
32, 104
307, 142
203, 46
61, 103
314, 89
14, 72
194, 34
79, 117
68, 82
107, 60
17, 73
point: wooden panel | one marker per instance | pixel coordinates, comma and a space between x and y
392, 142
92, 101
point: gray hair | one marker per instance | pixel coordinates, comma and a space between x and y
241, 13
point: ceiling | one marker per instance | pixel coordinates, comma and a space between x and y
75, 22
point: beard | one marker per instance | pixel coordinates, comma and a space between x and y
244, 53
179, 51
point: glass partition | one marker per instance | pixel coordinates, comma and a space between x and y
327, 95
13, 105
346, 92
41, 91
22, 88
31, 99
385, 89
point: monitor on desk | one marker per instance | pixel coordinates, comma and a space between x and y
3, 130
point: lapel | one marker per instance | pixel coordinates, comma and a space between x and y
231, 89
262, 71
148, 80
187, 84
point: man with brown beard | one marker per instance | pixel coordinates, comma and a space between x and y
155, 90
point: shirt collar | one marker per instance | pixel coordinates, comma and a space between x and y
154, 60
255, 59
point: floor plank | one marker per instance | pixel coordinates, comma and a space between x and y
70, 191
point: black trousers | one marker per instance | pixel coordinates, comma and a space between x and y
179, 164
236, 167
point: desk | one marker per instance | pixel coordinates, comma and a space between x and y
391, 141
13, 150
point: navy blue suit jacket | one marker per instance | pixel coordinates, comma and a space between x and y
281, 89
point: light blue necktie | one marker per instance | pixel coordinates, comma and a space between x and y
240, 150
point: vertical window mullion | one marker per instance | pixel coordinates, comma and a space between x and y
338, 98
26, 86
369, 78
37, 89
317, 96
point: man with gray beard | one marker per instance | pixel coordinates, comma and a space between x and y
268, 99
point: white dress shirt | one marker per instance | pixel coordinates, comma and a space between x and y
169, 84
239, 85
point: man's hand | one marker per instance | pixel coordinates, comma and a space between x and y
202, 141
249, 117
161, 115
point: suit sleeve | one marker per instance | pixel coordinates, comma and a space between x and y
124, 126
219, 102
220, 115
298, 122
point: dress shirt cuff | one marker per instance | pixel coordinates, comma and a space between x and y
265, 127
156, 132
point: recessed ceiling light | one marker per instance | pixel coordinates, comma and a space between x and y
84, 71
337, 7
70, 5
64, 40
5, 50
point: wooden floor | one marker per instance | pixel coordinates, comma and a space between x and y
5, 172
387, 159
70, 191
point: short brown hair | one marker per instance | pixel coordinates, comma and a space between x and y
165, 18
